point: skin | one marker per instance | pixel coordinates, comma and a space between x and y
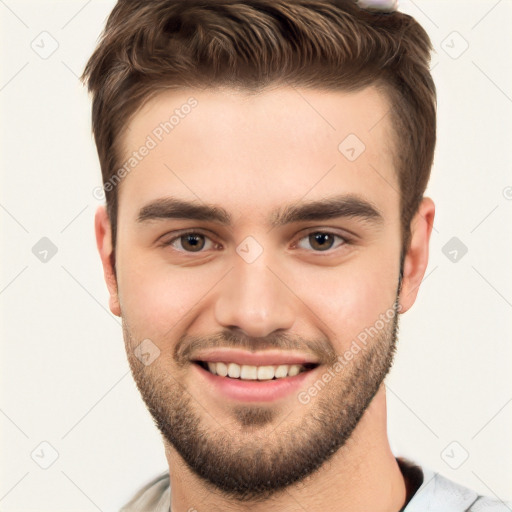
252, 154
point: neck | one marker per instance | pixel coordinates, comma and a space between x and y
363, 475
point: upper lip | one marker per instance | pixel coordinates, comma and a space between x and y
262, 358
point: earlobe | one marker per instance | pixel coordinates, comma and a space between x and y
104, 243
416, 258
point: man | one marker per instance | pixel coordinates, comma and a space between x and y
264, 164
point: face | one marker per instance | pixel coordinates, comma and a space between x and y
257, 275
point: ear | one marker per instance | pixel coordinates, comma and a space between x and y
103, 231
416, 259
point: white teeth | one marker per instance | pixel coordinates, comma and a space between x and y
250, 372
281, 371
222, 369
234, 370
294, 370
265, 372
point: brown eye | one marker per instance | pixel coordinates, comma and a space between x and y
192, 242
322, 241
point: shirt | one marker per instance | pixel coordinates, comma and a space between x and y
427, 491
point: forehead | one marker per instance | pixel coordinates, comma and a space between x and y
254, 150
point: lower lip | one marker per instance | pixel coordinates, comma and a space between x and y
253, 390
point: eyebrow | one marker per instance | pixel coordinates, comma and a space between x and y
350, 206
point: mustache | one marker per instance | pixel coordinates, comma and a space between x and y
188, 345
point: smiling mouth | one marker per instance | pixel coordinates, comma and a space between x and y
254, 373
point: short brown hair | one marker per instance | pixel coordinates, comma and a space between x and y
147, 47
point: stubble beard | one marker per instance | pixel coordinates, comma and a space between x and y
270, 453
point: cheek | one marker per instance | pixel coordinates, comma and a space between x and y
155, 302
352, 298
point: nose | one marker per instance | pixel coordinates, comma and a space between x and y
253, 299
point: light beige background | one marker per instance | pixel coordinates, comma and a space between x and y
64, 376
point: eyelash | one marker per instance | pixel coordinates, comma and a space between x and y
345, 240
